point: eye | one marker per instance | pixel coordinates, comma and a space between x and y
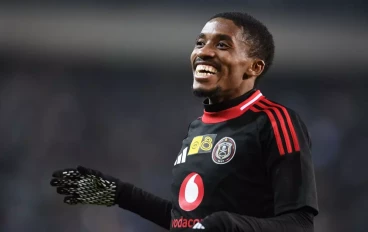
222, 45
199, 43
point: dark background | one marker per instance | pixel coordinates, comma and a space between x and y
107, 84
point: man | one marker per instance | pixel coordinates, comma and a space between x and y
245, 165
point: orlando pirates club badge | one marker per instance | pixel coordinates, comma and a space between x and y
224, 150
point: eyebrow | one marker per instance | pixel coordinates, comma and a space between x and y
219, 36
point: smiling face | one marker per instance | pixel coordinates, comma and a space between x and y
221, 66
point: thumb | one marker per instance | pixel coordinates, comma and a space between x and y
83, 170
88, 171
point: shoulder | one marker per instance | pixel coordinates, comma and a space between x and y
195, 124
270, 112
282, 124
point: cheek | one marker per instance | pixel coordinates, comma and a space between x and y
233, 74
242, 66
235, 71
192, 55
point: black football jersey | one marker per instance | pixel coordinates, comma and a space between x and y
249, 156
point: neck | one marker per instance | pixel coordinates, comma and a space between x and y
228, 95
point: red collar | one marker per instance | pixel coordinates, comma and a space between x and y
233, 112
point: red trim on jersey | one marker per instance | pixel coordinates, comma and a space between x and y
233, 112
274, 127
290, 124
282, 123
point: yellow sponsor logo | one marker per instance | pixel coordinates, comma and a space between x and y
194, 146
201, 144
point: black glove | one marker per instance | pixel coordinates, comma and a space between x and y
86, 186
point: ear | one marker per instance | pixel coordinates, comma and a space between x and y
255, 68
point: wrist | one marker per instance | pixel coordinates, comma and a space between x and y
216, 222
124, 193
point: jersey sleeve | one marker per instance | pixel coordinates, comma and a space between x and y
286, 148
297, 221
146, 205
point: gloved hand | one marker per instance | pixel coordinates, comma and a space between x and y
86, 186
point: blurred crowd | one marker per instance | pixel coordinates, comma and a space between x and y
129, 122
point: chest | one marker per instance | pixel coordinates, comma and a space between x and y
218, 152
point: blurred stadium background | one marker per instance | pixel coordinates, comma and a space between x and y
107, 84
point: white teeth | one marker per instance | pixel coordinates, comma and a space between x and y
202, 74
205, 68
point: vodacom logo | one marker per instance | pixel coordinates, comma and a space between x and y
191, 192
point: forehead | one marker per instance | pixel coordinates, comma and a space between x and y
224, 27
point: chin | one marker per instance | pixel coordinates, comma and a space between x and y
206, 92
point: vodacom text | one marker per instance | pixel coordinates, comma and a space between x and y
184, 222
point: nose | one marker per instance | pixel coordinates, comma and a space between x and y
206, 51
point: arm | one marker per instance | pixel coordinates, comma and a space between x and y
146, 205
87, 186
297, 221
290, 169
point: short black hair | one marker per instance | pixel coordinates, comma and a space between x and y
256, 35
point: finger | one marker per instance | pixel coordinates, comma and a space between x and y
63, 182
59, 173
88, 172
69, 173
91, 172
63, 191
72, 189
68, 191
84, 171
71, 200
